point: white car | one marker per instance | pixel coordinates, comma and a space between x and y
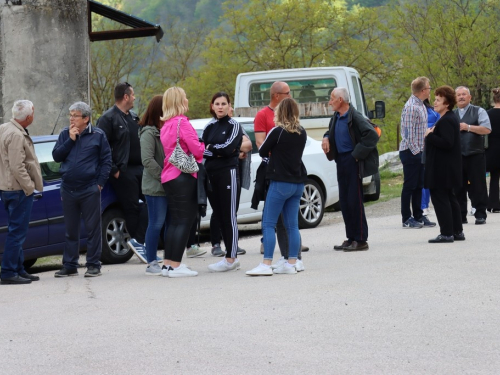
320, 190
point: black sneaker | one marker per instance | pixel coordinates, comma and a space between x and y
64, 272
241, 251
92, 272
426, 223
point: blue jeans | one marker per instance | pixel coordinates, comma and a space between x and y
18, 207
426, 195
157, 215
282, 198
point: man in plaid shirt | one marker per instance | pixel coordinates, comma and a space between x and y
413, 127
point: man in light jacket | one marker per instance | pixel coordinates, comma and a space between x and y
20, 176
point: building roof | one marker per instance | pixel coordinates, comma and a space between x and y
139, 28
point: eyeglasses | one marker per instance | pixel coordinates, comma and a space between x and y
428, 88
76, 116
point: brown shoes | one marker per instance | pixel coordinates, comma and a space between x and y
357, 246
343, 246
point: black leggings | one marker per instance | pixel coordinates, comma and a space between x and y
224, 199
181, 213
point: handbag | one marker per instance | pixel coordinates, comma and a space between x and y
185, 163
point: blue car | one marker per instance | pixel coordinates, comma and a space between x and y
46, 230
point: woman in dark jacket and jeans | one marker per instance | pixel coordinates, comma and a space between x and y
284, 145
443, 166
222, 137
152, 156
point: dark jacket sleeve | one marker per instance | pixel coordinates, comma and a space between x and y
105, 123
268, 144
445, 138
366, 137
104, 162
63, 146
233, 142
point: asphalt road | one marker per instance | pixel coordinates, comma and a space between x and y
403, 307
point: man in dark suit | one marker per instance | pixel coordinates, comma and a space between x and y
352, 142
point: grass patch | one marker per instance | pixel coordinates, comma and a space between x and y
391, 184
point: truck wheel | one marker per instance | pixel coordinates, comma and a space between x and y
114, 238
375, 196
312, 205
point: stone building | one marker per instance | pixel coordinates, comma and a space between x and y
44, 55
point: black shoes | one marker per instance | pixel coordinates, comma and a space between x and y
241, 251
345, 244
459, 237
442, 239
26, 275
304, 249
493, 210
480, 220
357, 246
15, 280
92, 272
64, 272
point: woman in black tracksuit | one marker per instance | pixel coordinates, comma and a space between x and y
222, 137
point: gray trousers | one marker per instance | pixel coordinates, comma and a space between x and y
85, 204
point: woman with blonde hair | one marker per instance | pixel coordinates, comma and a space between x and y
180, 188
284, 146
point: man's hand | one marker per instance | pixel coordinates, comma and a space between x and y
464, 127
73, 132
325, 145
117, 174
243, 155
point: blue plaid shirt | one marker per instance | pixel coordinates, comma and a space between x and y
413, 125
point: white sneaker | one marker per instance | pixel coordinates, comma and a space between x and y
279, 263
286, 268
472, 211
426, 211
299, 266
194, 251
261, 270
181, 271
224, 266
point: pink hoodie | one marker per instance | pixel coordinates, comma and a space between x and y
188, 139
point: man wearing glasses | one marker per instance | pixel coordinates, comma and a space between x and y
413, 127
263, 123
85, 158
474, 124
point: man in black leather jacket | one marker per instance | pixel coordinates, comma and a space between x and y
122, 131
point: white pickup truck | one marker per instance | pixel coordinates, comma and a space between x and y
311, 88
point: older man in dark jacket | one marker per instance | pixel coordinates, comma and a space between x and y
85, 158
352, 142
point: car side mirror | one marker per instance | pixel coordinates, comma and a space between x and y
379, 109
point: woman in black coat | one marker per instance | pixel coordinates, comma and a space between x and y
443, 166
493, 154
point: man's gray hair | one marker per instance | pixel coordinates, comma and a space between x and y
463, 87
342, 92
22, 109
81, 107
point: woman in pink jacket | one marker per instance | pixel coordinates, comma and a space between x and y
180, 188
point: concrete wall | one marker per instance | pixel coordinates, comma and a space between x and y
44, 49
